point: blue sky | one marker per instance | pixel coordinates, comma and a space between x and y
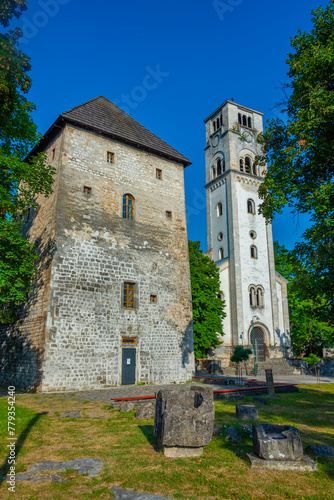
198, 53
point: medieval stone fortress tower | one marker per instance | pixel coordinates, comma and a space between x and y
239, 240
112, 304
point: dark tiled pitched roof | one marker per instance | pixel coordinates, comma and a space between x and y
102, 116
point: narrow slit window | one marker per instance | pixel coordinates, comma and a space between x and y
244, 120
221, 253
158, 173
249, 122
253, 252
252, 297
239, 118
87, 190
219, 210
241, 165
53, 153
219, 167
129, 295
213, 173
251, 207
248, 165
128, 206
168, 214
110, 157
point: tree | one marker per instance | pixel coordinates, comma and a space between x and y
300, 152
21, 178
309, 332
208, 307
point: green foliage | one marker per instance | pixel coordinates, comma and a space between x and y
208, 308
10, 8
311, 359
309, 331
240, 353
301, 151
21, 181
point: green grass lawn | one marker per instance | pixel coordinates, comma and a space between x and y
131, 460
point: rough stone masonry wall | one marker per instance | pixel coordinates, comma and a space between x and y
97, 250
22, 344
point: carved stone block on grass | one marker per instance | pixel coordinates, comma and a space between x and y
246, 412
183, 422
277, 442
279, 447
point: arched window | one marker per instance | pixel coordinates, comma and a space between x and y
248, 165
241, 161
218, 122
254, 169
244, 120
223, 164
259, 297
213, 172
220, 253
128, 206
250, 207
239, 118
252, 296
249, 122
219, 167
214, 125
253, 252
219, 210
221, 120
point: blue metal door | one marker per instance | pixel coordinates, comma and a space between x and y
128, 366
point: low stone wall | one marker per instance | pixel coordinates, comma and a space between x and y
326, 367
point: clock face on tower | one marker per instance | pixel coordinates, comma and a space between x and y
248, 136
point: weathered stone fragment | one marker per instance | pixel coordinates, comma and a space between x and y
246, 412
217, 430
146, 410
270, 382
259, 400
233, 435
322, 450
303, 465
183, 419
277, 442
127, 406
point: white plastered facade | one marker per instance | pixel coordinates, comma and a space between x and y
233, 228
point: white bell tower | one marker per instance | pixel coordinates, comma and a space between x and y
239, 240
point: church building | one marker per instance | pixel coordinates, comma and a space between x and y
239, 240
112, 301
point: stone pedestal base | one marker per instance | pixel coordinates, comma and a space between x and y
303, 465
179, 452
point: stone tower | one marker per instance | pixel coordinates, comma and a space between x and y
112, 301
239, 241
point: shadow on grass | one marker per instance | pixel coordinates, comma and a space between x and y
4, 469
148, 431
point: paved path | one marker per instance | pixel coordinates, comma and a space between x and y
297, 379
105, 395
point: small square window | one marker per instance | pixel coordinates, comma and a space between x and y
158, 173
168, 214
87, 190
110, 157
153, 298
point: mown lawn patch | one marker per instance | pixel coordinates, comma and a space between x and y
128, 449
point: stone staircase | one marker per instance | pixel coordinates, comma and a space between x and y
279, 366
